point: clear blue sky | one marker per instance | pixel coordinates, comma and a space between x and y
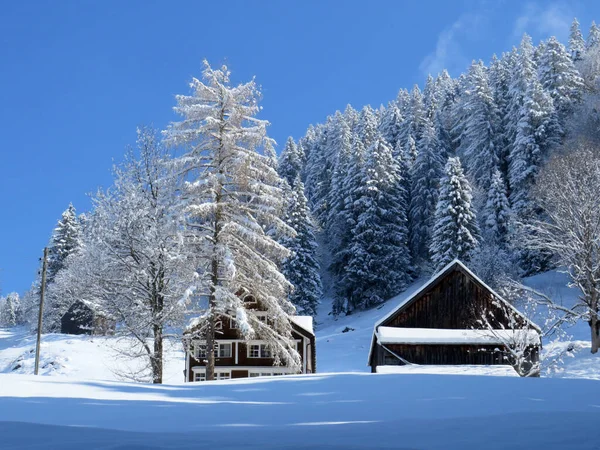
77, 77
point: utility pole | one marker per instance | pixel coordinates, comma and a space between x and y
39, 330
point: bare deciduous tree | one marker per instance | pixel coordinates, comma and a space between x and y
568, 192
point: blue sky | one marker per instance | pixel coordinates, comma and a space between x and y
77, 77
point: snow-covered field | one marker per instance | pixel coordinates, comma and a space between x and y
80, 402
329, 411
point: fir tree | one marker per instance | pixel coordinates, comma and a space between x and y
496, 213
538, 130
455, 233
64, 242
347, 220
290, 161
559, 77
576, 42
301, 268
593, 37
424, 174
522, 76
379, 264
479, 135
390, 126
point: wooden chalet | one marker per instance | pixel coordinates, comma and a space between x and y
85, 318
237, 358
455, 319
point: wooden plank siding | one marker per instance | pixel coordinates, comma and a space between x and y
227, 333
455, 299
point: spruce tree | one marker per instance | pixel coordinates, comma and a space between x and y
347, 220
301, 268
424, 174
478, 141
496, 213
290, 161
455, 233
379, 263
593, 37
576, 42
559, 77
391, 122
66, 240
538, 130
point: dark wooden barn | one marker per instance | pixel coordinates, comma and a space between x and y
456, 319
85, 318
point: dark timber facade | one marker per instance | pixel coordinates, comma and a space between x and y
441, 324
236, 358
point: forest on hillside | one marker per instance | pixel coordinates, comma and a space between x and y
498, 167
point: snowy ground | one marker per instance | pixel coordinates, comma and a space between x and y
329, 411
79, 403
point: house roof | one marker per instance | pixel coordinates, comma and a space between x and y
432, 281
393, 335
304, 322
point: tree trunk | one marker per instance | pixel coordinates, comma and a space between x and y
594, 323
210, 347
157, 357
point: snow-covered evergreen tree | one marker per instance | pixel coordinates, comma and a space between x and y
478, 140
229, 195
367, 130
538, 130
424, 174
415, 118
496, 213
391, 124
318, 171
576, 42
593, 37
523, 74
64, 242
301, 268
559, 77
346, 221
379, 263
290, 161
455, 233
10, 310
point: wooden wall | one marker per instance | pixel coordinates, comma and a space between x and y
456, 301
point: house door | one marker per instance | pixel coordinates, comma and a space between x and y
239, 374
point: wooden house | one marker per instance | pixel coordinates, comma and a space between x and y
237, 358
455, 319
85, 318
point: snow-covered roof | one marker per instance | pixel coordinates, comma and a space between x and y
434, 278
392, 335
498, 370
304, 322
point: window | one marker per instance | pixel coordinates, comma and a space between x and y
221, 350
199, 376
199, 350
254, 374
259, 351
233, 324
